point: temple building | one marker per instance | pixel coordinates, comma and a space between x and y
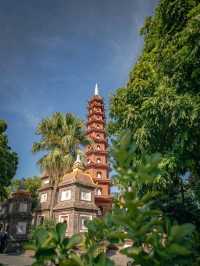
97, 154
16, 217
83, 193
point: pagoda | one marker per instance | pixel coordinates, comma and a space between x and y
96, 153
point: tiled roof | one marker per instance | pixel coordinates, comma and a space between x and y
77, 176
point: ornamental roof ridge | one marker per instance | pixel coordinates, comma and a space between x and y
78, 176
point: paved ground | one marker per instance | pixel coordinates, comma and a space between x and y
12, 260
25, 260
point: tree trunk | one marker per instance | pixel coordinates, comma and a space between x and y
53, 199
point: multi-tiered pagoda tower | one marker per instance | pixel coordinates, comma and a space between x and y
96, 153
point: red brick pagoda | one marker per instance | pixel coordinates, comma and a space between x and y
96, 153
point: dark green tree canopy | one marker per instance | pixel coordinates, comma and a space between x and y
8, 161
161, 102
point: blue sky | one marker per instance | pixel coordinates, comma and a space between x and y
53, 52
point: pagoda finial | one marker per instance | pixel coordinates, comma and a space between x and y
96, 90
78, 163
78, 158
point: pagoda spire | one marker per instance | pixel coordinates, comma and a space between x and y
78, 165
96, 90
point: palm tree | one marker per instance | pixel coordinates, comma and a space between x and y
62, 135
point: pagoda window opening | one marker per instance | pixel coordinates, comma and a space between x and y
23, 207
11, 207
63, 218
98, 126
86, 195
21, 228
40, 219
83, 221
98, 136
89, 148
99, 192
98, 147
98, 160
65, 195
88, 161
43, 197
46, 181
100, 211
99, 175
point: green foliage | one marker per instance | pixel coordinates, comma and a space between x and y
161, 103
101, 233
51, 245
8, 161
31, 184
61, 137
48, 224
154, 239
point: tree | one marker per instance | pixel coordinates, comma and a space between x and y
61, 138
8, 161
31, 184
161, 102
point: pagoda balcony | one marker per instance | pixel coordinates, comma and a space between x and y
104, 141
95, 129
102, 180
97, 166
96, 113
95, 104
91, 118
96, 152
96, 98
101, 121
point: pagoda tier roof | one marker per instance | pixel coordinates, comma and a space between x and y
102, 198
101, 181
99, 140
44, 175
78, 176
20, 193
97, 98
96, 113
94, 129
96, 121
45, 187
93, 104
97, 166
